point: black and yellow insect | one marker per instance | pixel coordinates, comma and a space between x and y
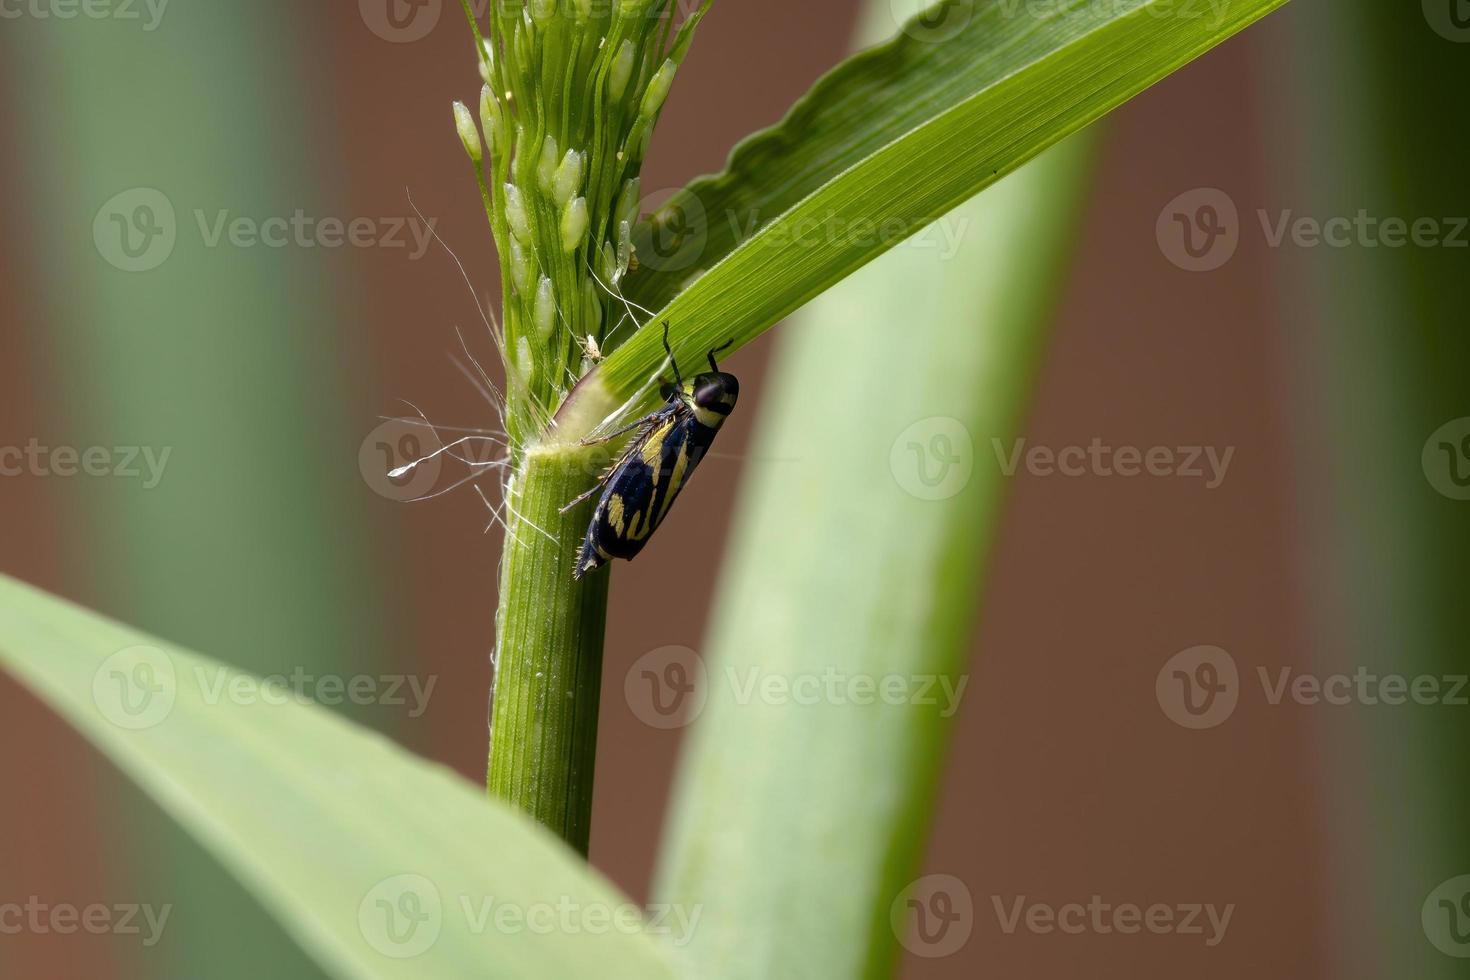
640, 487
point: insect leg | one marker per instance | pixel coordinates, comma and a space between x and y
607, 474
596, 488
615, 433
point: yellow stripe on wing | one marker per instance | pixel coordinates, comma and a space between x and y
676, 479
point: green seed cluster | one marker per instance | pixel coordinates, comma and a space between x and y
572, 91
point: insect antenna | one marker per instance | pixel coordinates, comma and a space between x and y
670, 352
711, 355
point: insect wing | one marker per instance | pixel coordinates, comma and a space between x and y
643, 487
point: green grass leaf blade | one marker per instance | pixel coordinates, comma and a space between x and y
800, 821
881, 147
331, 827
198, 550
1378, 348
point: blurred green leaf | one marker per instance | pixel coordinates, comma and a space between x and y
377, 863
859, 550
881, 147
242, 367
1378, 348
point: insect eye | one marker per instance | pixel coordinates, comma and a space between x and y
708, 395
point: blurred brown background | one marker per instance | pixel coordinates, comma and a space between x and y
1065, 779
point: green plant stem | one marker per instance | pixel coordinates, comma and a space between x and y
543, 720
570, 92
